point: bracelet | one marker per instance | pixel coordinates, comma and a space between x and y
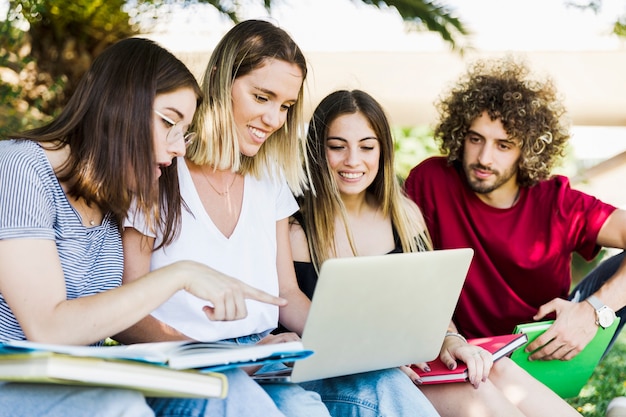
460, 336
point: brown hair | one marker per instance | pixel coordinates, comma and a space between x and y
322, 203
531, 112
107, 124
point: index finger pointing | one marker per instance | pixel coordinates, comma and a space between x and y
252, 293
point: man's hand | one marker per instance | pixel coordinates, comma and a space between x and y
573, 328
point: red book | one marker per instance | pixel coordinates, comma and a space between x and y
499, 346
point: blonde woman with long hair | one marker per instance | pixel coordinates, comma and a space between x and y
237, 182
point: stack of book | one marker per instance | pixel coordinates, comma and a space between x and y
163, 369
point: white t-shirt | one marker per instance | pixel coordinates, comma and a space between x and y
249, 254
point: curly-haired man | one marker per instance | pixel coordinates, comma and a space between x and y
501, 130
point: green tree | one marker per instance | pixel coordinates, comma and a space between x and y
47, 45
411, 146
40, 65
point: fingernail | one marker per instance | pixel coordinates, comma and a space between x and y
418, 381
427, 368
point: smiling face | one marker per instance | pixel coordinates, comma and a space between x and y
353, 153
261, 101
177, 106
490, 160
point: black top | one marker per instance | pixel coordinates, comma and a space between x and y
305, 271
306, 274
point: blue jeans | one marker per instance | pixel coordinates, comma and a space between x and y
291, 399
46, 400
385, 393
594, 280
245, 398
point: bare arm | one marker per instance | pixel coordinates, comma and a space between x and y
299, 244
294, 314
575, 326
613, 235
34, 288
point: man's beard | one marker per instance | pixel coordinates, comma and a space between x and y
483, 187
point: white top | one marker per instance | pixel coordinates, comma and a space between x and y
249, 254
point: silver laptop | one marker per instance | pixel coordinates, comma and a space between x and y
377, 312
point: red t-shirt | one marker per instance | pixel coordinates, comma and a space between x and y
522, 254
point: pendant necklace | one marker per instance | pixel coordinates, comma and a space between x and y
220, 193
88, 212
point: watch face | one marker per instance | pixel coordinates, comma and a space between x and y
605, 317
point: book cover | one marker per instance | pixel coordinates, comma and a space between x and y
177, 354
161, 369
578, 370
151, 379
498, 346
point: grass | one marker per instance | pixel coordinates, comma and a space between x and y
608, 381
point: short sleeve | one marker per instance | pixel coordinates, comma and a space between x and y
27, 196
286, 203
136, 219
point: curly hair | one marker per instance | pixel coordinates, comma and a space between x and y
530, 109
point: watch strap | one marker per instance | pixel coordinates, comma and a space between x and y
595, 302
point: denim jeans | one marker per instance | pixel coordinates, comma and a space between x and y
245, 398
291, 399
594, 280
385, 393
44, 400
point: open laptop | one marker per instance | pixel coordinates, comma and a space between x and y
377, 312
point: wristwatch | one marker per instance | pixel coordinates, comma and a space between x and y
604, 315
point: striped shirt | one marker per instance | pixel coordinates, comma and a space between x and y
34, 206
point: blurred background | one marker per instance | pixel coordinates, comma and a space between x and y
402, 52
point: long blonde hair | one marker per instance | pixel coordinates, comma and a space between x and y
322, 203
246, 47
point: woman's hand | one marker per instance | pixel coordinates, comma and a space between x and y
413, 376
226, 294
478, 360
272, 339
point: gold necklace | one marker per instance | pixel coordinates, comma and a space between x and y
88, 211
220, 193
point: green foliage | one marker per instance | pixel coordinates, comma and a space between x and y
45, 48
620, 27
412, 145
21, 92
